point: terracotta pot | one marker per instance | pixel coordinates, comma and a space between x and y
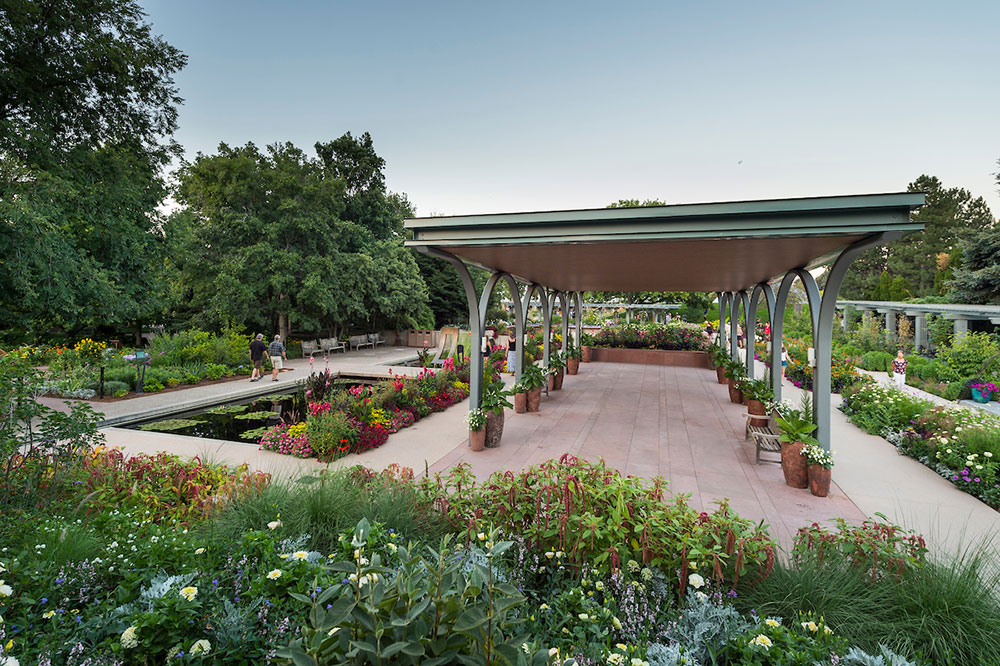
793, 465
494, 429
520, 403
759, 421
559, 379
735, 395
534, 399
720, 372
551, 382
756, 407
477, 439
587, 353
572, 366
819, 480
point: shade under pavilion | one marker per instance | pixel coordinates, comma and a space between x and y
736, 249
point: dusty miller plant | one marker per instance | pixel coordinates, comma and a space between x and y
702, 629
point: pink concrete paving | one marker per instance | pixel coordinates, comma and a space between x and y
649, 420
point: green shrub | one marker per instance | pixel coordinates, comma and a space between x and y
331, 435
876, 361
954, 390
116, 389
152, 386
975, 355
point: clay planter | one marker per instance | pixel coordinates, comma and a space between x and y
477, 439
559, 379
756, 407
793, 465
520, 403
534, 398
587, 354
759, 421
735, 395
720, 372
494, 429
572, 366
819, 480
550, 382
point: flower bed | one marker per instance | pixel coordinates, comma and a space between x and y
361, 418
673, 336
962, 445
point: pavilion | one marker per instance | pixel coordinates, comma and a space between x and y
735, 249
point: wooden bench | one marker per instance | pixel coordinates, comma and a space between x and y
332, 344
376, 339
765, 438
359, 341
310, 347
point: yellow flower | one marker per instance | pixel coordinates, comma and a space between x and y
199, 551
300, 555
48, 614
762, 641
772, 622
189, 593
811, 626
274, 574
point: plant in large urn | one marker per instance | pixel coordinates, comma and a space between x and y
533, 380
758, 395
520, 398
556, 371
820, 465
796, 433
493, 403
736, 376
477, 429
572, 359
586, 347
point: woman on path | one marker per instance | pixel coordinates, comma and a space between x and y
899, 369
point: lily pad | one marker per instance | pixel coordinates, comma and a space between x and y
226, 409
278, 397
253, 416
169, 424
255, 434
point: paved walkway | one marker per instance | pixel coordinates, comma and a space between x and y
654, 420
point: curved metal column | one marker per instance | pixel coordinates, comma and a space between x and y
475, 358
761, 289
515, 296
723, 308
740, 299
543, 298
578, 304
823, 331
564, 311
781, 301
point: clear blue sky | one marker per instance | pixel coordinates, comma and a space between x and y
490, 107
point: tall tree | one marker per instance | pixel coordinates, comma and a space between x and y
951, 214
262, 241
87, 110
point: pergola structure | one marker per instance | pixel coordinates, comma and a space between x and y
735, 249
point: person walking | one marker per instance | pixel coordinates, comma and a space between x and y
784, 361
899, 369
512, 352
257, 349
276, 351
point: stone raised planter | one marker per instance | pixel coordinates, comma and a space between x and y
683, 359
494, 429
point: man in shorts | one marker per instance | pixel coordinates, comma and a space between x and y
257, 349
276, 351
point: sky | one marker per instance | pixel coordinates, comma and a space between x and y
496, 107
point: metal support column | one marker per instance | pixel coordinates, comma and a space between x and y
723, 307
515, 296
734, 316
824, 334
761, 289
529, 294
781, 302
475, 330
578, 304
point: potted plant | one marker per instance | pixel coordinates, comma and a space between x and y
572, 358
556, 371
494, 400
520, 398
533, 381
758, 393
477, 429
722, 361
586, 347
796, 433
982, 392
819, 463
736, 375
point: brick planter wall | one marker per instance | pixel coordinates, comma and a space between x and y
685, 359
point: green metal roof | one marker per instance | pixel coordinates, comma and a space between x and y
583, 249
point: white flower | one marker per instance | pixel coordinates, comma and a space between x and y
9, 660
363, 561
274, 574
616, 623
274, 524
543, 607
481, 536
771, 622
300, 555
189, 593
616, 659
696, 581
201, 646
701, 596
811, 626
553, 652
2, 568
129, 639
583, 616
762, 641
199, 551
392, 547
979, 466
5, 590
549, 554
988, 454
599, 585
